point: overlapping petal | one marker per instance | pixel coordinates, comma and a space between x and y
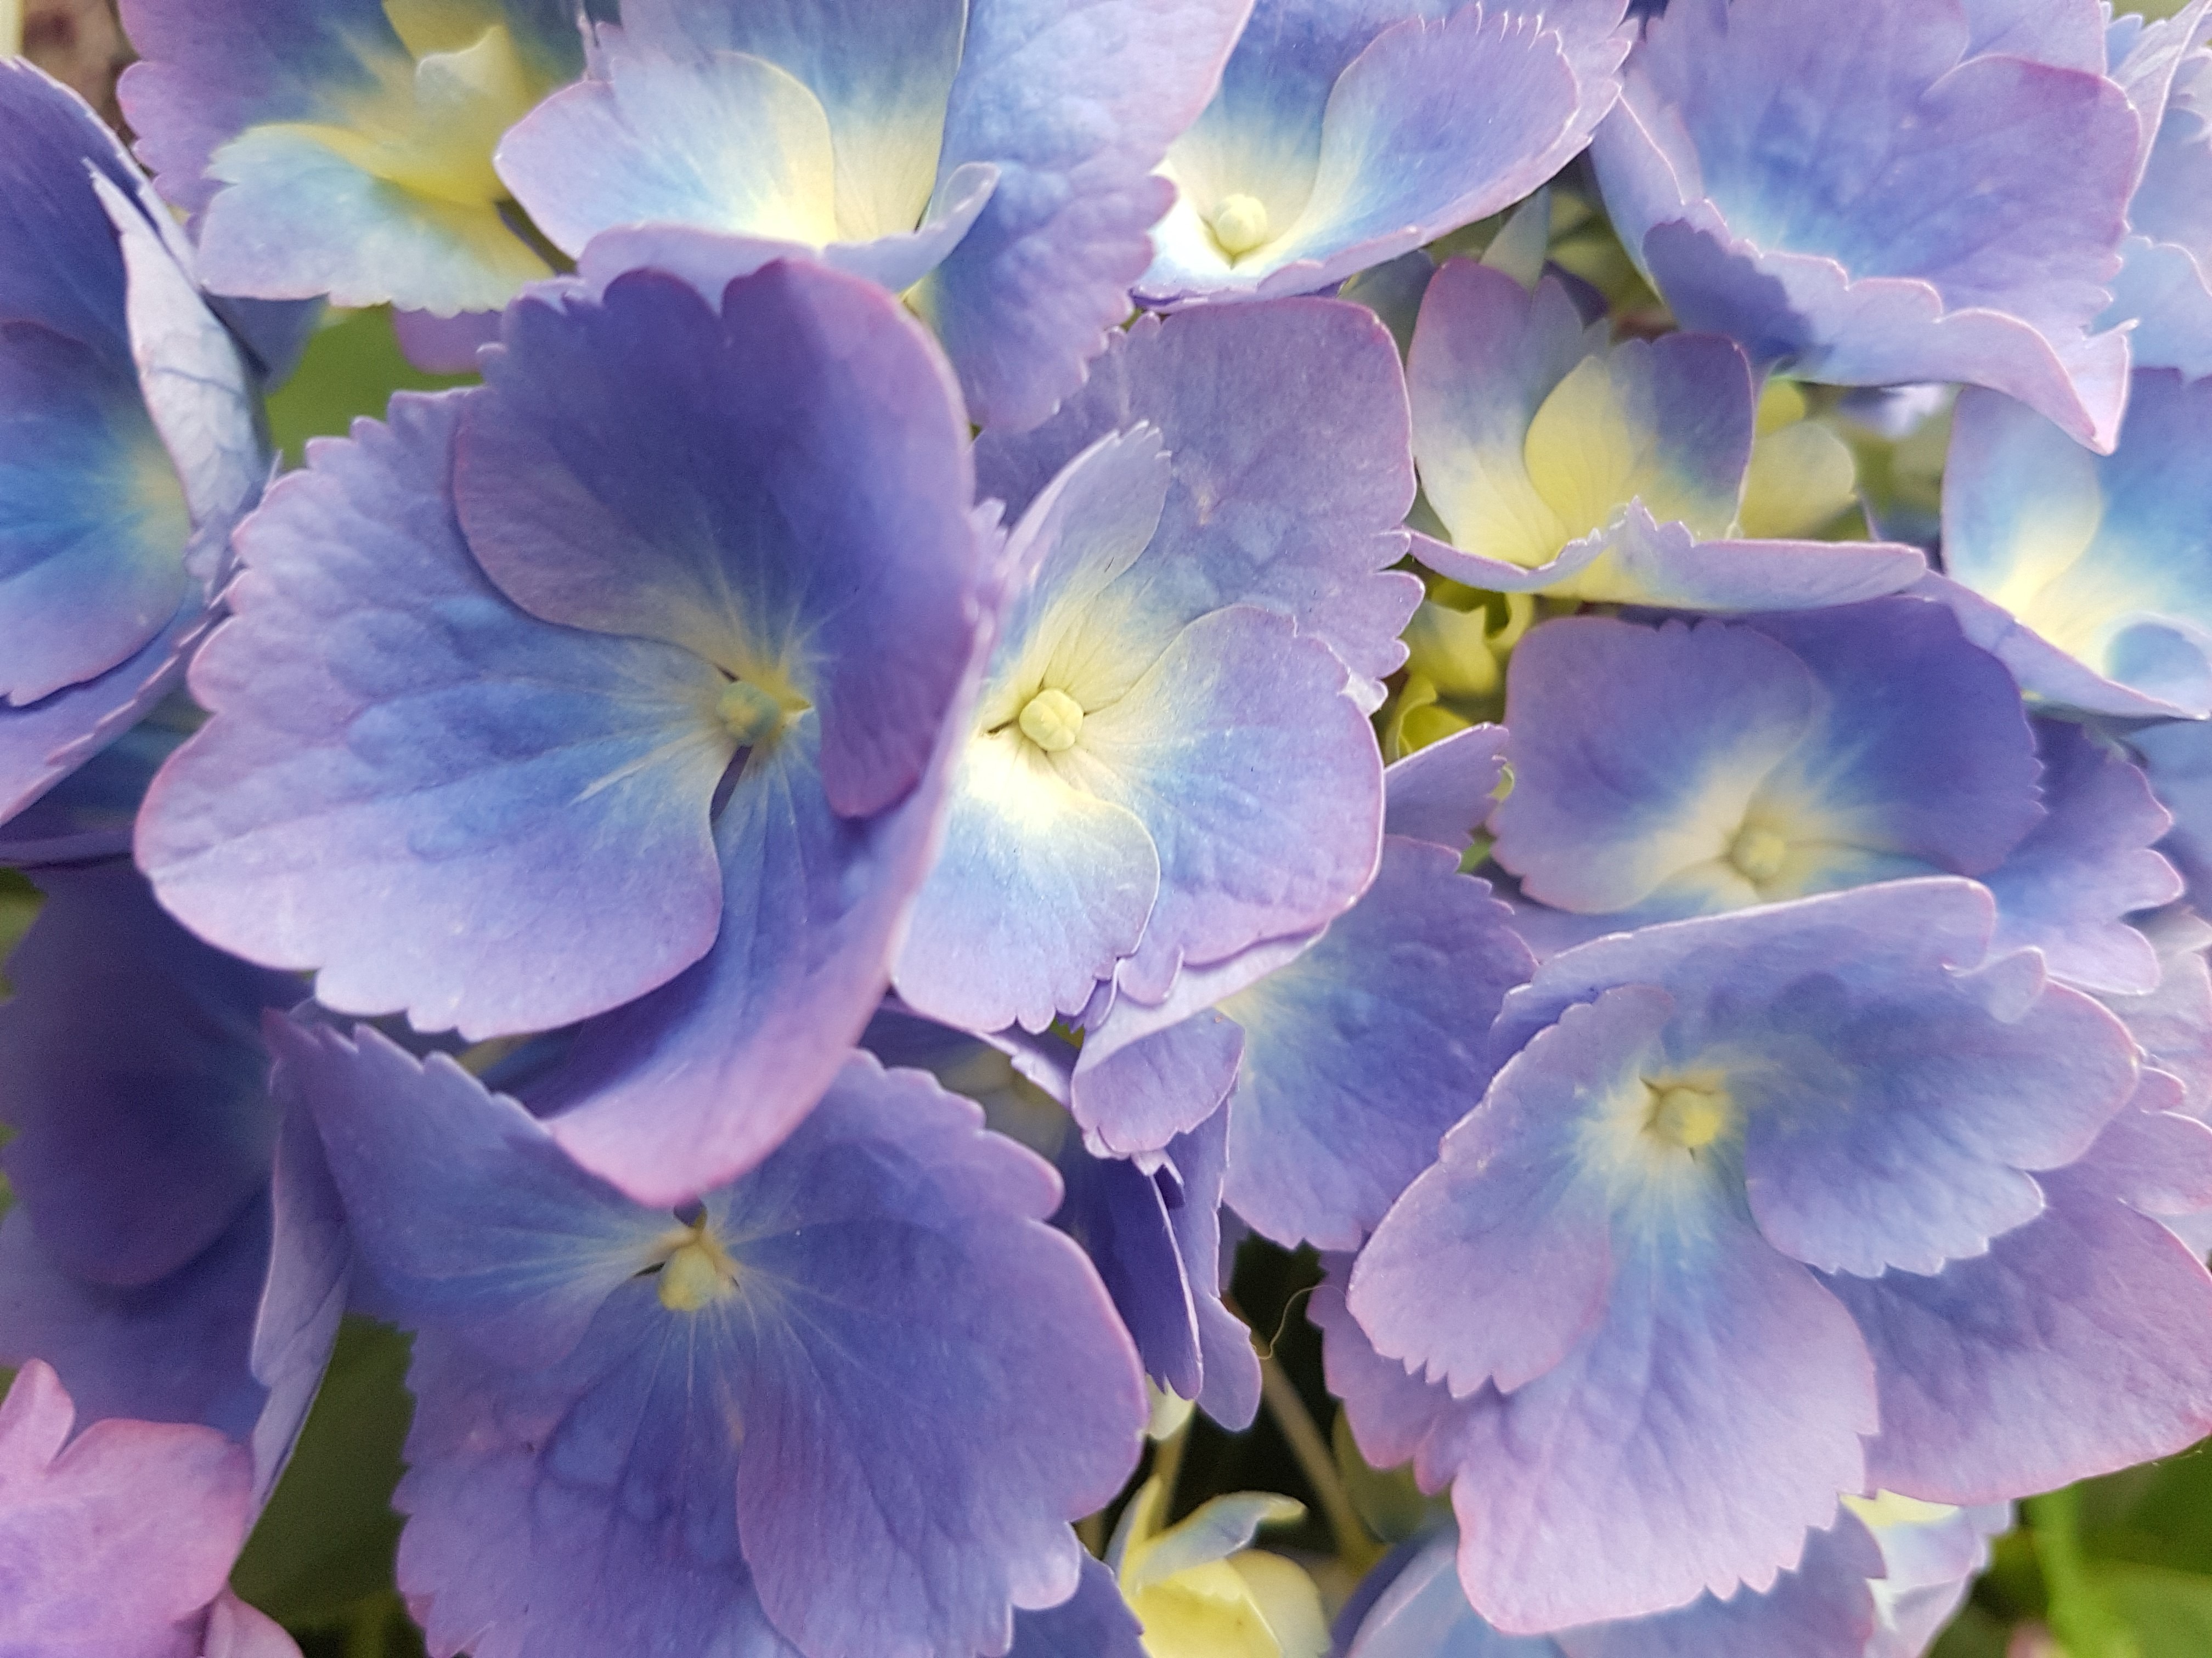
345, 149
712, 1398
1899, 198
1343, 135
116, 1542
130, 442
2098, 560
1557, 465
1686, 1109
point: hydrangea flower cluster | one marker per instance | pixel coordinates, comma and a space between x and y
1049, 647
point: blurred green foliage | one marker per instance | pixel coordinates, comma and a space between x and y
352, 366
2119, 1567
320, 1560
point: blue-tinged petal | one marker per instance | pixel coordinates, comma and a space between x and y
89, 814
1873, 204
1268, 506
2164, 286
817, 544
881, 73
1345, 134
2081, 1342
1074, 107
1931, 1553
1153, 1227
1958, 792
1118, 1213
1038, 890
1095, 1622
296, 221
42, 744
1685, 1403
2047, 675
2103, 558
405, 775
2167, 291
113, 1543
710, 260
346, 148
1423, 1614
1883, 745
1667, 423
699, 1080
502, 1557
1529, 1244
1556, 465
305, 1293
173, 1350
1896, 1083
1620, 783
1257, 779
93, 522
1231, 1394
725, 143
2067, 34
1133, 1090
2172, 1025
1822, 1607
460, 1203
1361, 1053
1445, 792
147, 1259
2067, 887
134, 1080
1694, 1441
1486, 354
2154, 1156
193, 373
61, 272
791, 1383
2178, 757
1637, 559
105, 584
1396, 1415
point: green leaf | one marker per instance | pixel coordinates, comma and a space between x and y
1389, 1504
352, 368
325, 1545
2166, 1615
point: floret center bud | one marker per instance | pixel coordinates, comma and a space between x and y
1757, 854
1240, 223
1688, 1116
1052, 719
698, 1271
749, 715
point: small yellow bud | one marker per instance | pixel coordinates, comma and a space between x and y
1757, 855
1692, 1118
1240, 224
698, 1270
1053, 720
748, 713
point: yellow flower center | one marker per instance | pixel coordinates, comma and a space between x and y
1239, 223
749, 715
697, 1270
1688, 1116
1757, 855
1052, 719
